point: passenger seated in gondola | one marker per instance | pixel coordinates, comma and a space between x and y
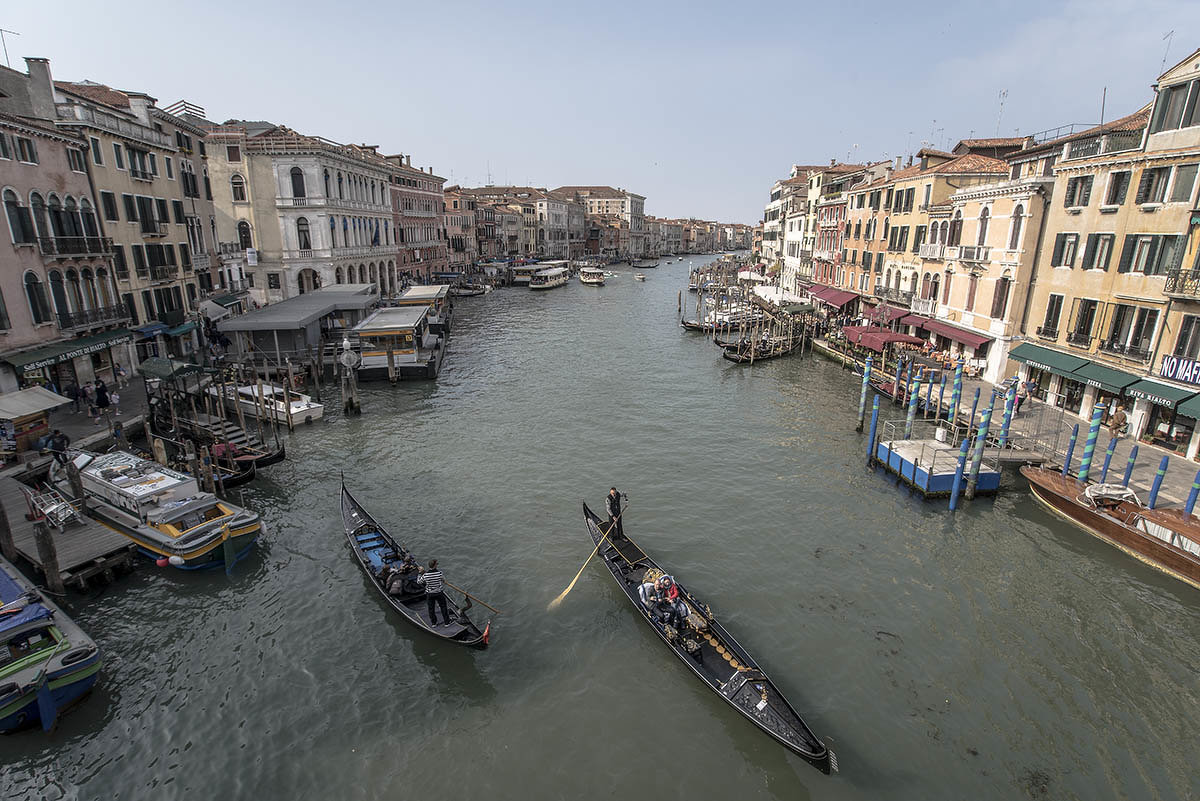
661, 598
401, 580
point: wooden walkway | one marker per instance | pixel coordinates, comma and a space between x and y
85, 549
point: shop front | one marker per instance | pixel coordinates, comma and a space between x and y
1104, 385
1052, 373
24, 419
74, 360
1157, 416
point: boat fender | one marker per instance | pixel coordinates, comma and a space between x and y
9, 688
78, 654
175, 561
162, 561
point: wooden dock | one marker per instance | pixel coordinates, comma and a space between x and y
84, 549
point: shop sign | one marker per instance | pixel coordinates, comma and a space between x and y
75, 353
251, 257
1186, 370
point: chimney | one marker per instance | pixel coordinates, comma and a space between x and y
832, 162
41, 88
909, 162
1027, 143
408, 161
899, 161
139, 105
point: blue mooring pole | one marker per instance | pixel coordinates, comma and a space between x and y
862, 398
1066, 471
1158, 479
1191, 501
985, 422
907, 381
1129, 466
974, 406
941, 397
914, 394
928, 398
1010, 400
1108, 455
958, 473
955, 394
1089, 447
874, 426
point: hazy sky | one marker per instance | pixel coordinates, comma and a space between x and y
697, 105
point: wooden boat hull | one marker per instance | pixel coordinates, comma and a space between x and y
372, 545
1059, 494
717, 659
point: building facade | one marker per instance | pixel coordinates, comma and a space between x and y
417, 202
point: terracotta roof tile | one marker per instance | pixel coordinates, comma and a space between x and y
998, 141
96, 92
1130, 122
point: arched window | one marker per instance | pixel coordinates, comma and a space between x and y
244, 239
106, 293
885, 228
302, 234
297, 182
327, 183
35, 293
337, 275
946, 289
89, 289
20, 225
58, 294
924, 286
54, 206
1000, 299
89, 218
956, 228
345, 232
38, 206
984, 215
70, 218
237, 185
341, 188
933, 286
333, 233
73, 291
945, 232
1014, 237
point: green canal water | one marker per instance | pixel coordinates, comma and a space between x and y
993, 654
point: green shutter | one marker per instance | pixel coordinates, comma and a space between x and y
1056, 257
1127, 253
1089, 252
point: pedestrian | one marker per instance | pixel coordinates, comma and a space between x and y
102, 399
122, 376
434, 592
71, 391
1022, 394
1119, 424
115, 400
58, 446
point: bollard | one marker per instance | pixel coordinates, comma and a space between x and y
862, 398
1158, 479
958, 474
928, 397
874, 426
1108, 455
985, 422
896, 379
907, 381
1089, 447
1191, 501
955, 393
1010, 400
1066, 471
941, 396
1129, 466
913, 394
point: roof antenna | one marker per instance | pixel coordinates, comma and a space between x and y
14, 33
1003, 94
1167, 37
1103, 100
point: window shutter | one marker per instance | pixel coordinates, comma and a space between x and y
1056, 257
1111, 239
1089, 252
1152, 254
1144, 186
1085, 190
1127, 253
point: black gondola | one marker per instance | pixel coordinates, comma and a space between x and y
712, 653
374, 548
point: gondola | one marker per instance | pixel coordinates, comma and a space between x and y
374, 548
712, 653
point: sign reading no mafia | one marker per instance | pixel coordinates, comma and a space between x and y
1186, 370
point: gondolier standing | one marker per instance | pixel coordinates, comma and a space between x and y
613, 504
432, 580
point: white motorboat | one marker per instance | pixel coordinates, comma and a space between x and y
270, 404
591, 276
639, 277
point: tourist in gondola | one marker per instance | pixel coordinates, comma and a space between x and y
432, 580
613, 505
662, 598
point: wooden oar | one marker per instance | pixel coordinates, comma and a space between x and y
611, 528
472, 597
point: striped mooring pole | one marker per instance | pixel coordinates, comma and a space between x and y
1191, 501
928, 397
1066, 471
862, 398
1129, 466
912, 405
1158, 479
1089, 447
974, 406
958, 473
941, 397
874, 427
1108, 455
985, 422
896, 380
1010, 400
955, 393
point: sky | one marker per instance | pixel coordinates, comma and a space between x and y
698, 105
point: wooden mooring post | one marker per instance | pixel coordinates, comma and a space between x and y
48, 556
7, 546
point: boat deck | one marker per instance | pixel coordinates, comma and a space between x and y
85, 549
929, 465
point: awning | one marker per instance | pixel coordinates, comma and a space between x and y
876, 338
65, 351
1162, 394
166, 369
151, 329
227, 300
969, 338
180, 330
1190, 407
818, 291
915, 319
25, 402
836, 297
1106, 378
214, 311
1046, 359
886, 313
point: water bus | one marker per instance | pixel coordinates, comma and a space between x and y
550, 277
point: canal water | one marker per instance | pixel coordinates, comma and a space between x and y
994, 654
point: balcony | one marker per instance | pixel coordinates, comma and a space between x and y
1113, 142
74, 246
973, 253
164, 273
901, 296
417, 213
231, 249
823, 255
951, 252
141, 175
89, 318
1183, 284
926, 306
363, 250
1127, 351
201, 261
1080, 339
73, 113
1046, 332
931, 251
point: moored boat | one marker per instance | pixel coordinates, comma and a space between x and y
639, 277
1165, 539
162, 511
267, 401
711, 652
591, 276
48, 662
645, 264
470, 290
376, 549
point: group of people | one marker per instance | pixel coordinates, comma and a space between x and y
660, 596
95, 396
411, 579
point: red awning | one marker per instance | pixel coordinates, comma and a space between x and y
915, 319
969, 338
836, 297
875, 338
887, 314
818, 291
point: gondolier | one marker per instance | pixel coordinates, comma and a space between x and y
613, 505
434, 594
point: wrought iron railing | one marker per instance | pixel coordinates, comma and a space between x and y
1128, 351
75, 245
1080, 339
1046, 332
1185, 283
69, 321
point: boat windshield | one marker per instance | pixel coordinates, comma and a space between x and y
25, 644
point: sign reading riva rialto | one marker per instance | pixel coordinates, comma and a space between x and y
1187, 370
67, 356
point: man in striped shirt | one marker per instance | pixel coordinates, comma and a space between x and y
432, 579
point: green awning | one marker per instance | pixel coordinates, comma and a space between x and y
227, 300
1190, 407
65, 351
1046, 359
167, 369
798, 308
180, 330
1162, 394
1108, 379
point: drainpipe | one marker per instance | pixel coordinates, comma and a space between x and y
1162, 333
1034, 269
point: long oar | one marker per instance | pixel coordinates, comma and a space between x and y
472, 597
596, 550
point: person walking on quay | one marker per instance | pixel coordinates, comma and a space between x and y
102, 400
612, 504
1119, 424
71, 392
58, 446
1022, 394
114, 398
434, 592
122, 376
